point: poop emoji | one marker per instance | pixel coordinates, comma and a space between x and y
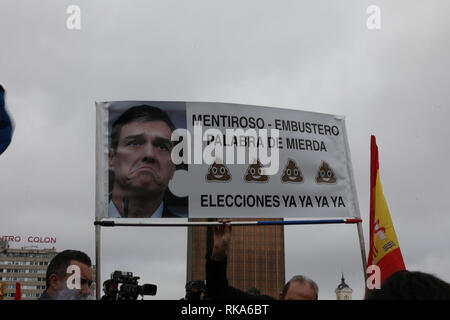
218, 172
325, 174
291, 173
255, 173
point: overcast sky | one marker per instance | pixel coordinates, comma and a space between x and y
308, 55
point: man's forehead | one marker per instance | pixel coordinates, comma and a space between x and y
84, 268
302, 286
157, 128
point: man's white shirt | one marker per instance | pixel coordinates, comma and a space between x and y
114, 213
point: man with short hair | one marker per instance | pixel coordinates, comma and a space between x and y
141, 164
57, 276
298, 288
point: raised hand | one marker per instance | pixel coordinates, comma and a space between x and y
222, 238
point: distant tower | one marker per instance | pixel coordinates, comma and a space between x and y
343, 291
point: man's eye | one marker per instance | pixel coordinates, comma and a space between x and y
164, 147
133, 143
85, 281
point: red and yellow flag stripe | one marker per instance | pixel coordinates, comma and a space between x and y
384, 247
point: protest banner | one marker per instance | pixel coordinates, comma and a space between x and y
210, 160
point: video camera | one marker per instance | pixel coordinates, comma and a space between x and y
129, 289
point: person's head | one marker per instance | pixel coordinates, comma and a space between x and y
300, 288
140, 152
411, 285
57, 276
110, 288
195, 290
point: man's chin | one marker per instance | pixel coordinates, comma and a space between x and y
146, 180
144, 188
71, 294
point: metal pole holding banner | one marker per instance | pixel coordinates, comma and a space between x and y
356, 203
110, 223
98, 288
363, 250
100, 189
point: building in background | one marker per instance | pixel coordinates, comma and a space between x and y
28, 266
255, 260
343, 291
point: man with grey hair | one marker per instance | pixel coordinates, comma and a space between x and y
298, 288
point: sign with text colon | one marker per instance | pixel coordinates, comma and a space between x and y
211, 160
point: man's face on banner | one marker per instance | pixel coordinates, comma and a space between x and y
142, 161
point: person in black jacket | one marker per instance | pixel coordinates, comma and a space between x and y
298, 288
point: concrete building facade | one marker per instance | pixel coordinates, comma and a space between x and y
25, 265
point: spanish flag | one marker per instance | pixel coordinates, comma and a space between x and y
384, 247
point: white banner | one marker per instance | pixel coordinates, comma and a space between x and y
210, 160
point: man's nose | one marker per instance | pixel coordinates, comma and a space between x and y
148, 154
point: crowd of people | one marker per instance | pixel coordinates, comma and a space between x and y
401, 285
